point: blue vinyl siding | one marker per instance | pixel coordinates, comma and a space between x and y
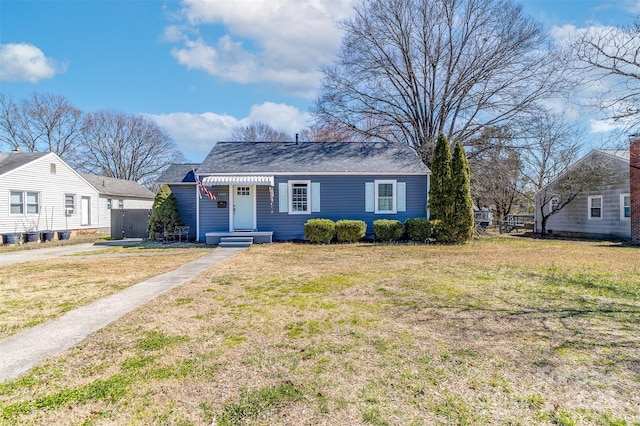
341, 197
185, 195
212, 218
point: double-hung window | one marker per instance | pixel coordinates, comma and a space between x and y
595, 207
22, 202
299, 197
33, 202
625, 206
299, 201
385, 196
17, 202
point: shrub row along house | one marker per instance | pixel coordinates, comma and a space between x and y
40, 192
268, 190
598, 197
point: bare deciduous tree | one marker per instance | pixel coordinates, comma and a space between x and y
411, 69
126, 146
496, 172
549, 151
41, 122
612, 55
259, 132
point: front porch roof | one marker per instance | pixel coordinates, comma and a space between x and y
237, 180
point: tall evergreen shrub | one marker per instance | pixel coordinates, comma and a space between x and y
462, 212
440, 193
164, 213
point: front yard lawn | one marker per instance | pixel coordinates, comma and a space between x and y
500, 331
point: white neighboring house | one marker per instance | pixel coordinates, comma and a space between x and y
39, 191
602, 210
118, 194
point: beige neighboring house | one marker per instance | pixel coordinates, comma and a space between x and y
118, 194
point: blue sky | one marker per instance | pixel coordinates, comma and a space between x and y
202, 68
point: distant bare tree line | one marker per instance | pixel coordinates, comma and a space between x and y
107, 143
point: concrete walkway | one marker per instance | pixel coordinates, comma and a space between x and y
22, 256
23, 351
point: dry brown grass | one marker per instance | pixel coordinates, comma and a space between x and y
34, 292
500, 331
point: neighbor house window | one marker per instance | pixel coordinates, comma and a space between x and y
69, 204
33, 202
385, 196
17, 202
121, 204
625, 206
595, 207
109, 203
299, 199
22, 202
52, 168
554, 203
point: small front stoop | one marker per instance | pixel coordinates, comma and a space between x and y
237, 242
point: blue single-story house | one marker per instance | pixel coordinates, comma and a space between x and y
268, 190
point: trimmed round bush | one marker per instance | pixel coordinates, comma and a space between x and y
418, 229
388, 229
319, 231
349, 231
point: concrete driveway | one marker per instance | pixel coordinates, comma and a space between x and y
66, 250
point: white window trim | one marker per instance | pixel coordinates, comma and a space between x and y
622, 196
290, 196
590, 199
376, 184
73, 207
22, 202
25, 202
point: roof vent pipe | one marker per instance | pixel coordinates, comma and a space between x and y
296, 139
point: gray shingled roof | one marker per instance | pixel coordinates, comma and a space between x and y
118, 187
13, 160
312, 157
176, 173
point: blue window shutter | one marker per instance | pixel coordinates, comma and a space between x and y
369, 197
315, 196
283, 199
401, 197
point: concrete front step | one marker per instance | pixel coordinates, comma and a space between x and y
235, 242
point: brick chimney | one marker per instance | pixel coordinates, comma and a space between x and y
634, 181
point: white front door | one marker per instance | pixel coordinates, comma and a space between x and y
85, 211
243, 206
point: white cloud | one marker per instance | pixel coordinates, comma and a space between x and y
284, 41
282, 117
603, 126
195, 134
632, 6
25, 62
